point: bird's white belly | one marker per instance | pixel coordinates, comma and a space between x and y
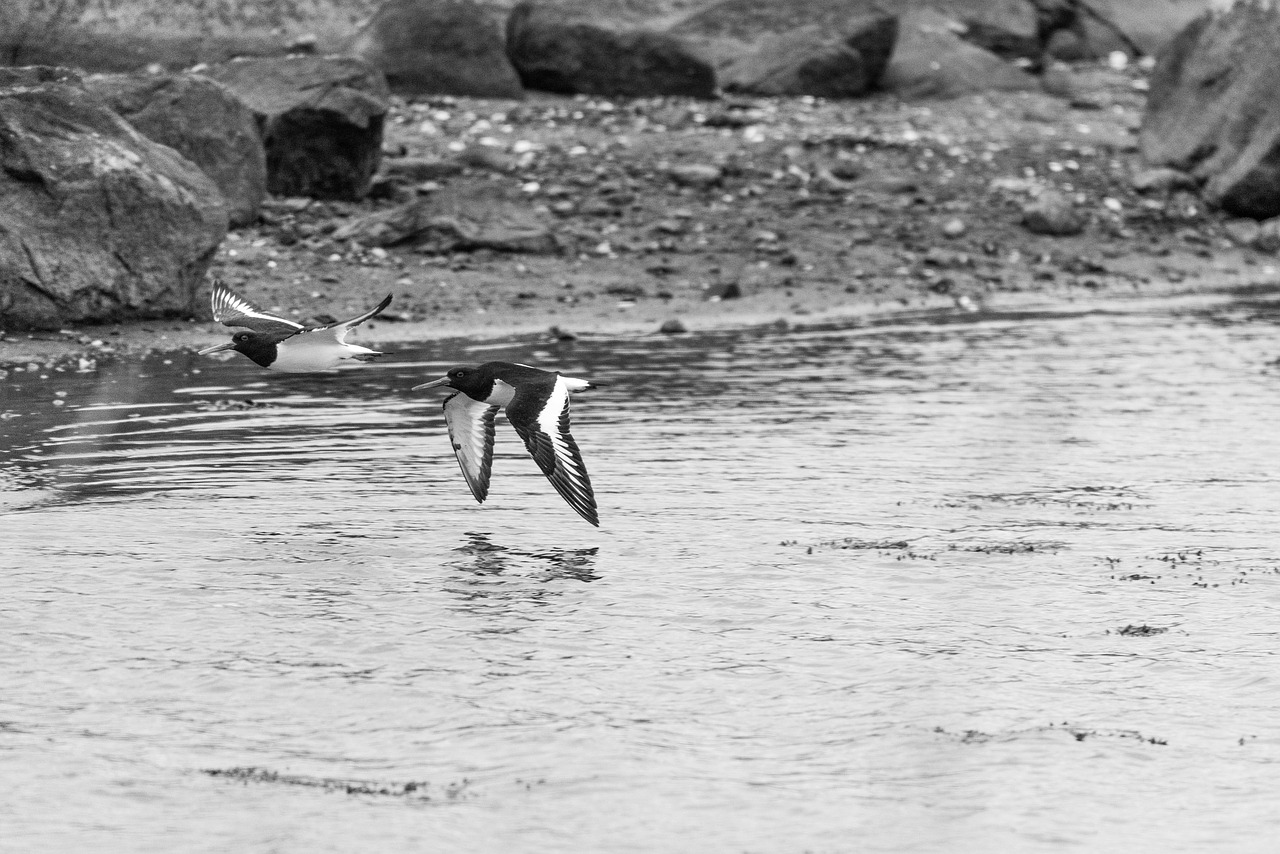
302, 354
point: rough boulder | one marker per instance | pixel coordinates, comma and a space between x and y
99, 223
932, 60
811, 60
320, 117
556, 51
201, 120
1213, 111
455, 220
449, 47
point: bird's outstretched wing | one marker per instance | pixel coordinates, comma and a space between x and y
471, 432
540, 414
339, 329
231, 309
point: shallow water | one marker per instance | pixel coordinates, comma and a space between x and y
962, 583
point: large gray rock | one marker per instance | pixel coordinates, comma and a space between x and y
931, 60
321, 120
812, 60
1009, 28
1213, 112
98, 223
940, 48
747, 20
455, 220
449, 47
201, 120
556, 51
1135, 26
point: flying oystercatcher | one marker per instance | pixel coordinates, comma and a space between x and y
283, 345
537, 405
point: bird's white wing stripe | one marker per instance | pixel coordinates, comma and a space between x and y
543, 423
235, 304
552, 421
471, 431
549, 417
229, 308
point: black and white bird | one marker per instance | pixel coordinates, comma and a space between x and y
283, 345
537, 405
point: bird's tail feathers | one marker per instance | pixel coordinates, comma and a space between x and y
575, 384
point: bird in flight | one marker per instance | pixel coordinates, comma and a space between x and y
537, 405
279, 344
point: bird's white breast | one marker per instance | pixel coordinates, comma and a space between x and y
310, 351
501, 394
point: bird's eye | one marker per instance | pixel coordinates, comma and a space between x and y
459, 373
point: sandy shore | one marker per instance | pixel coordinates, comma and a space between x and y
792, 211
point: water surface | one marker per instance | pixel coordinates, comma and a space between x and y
941, 582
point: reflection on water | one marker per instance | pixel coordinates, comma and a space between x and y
484, 557
940, 581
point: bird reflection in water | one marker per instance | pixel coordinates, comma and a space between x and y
485, 559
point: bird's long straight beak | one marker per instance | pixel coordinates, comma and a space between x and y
432, 384
217, 348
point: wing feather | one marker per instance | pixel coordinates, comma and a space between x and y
340, 329
540, 414
231, 309
470, 425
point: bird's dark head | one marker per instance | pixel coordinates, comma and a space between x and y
256, 345
464, 378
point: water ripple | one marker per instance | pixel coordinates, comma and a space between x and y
933, 582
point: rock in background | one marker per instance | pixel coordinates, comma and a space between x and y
932, 60
823, 48
643, 48
320, 118
1011, 29
98, 222
747, 20
459, 219
558, 51
940, 49
1213, 109
944, 47
812, 60
1137, 27
452, 47
201, 120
